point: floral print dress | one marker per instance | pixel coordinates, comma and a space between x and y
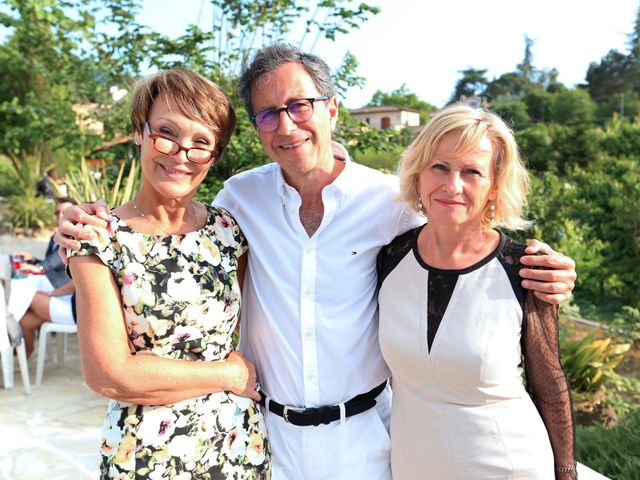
181, 300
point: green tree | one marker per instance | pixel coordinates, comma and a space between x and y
572, 107
514, 112
473, 83
510, 85
58, 54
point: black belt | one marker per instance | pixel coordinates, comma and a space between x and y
325, 415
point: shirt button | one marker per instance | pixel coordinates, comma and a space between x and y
307, 292
308, 334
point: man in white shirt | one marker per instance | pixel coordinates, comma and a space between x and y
315, 222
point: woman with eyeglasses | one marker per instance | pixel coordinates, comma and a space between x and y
158, 298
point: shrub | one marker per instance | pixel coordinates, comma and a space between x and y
9, 184
88, 185
29, 212
614, 452
589, 362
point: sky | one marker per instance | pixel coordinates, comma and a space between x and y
425, 44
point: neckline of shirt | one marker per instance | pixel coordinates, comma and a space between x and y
460, 271
340, 183
208, 209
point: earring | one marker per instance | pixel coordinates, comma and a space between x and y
420, 207
492, 213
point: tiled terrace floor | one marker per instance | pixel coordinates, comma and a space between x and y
54, 433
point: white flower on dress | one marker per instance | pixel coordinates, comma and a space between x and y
243, 403
101, 240
224, 230
187, 245
208, 425
184, 447
235, 443
182, 287
136, 291
137, 246
184, 334
158, 426
159, 250
111, 432
226, 416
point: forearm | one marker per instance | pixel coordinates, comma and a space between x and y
547, 382
151, 380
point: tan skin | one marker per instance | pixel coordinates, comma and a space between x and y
166, 196
310, 166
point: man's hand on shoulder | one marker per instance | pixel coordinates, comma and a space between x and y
555, 281
69, 232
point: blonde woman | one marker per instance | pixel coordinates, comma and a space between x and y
455, 322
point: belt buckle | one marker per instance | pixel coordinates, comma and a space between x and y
285, 412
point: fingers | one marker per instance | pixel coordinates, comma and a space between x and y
101, 209
253, 394
535, 246
553, 298
555, 261
69, 232
62, 253
93, 214
245, 378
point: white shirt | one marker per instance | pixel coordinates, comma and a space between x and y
309, 316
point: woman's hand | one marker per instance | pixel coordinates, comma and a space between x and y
68, 232
242, 376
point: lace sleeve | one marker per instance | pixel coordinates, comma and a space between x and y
547, 383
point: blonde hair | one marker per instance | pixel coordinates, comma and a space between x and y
195, 96
510, 177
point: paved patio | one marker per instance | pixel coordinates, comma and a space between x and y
53, 433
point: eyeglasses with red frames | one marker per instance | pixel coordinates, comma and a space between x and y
170, 147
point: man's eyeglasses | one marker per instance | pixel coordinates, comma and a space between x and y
299, 111
169, 147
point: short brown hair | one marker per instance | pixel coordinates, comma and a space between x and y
270, 58
511, 180
195, 96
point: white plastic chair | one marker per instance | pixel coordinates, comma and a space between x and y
45, 330
7, 366
6, 349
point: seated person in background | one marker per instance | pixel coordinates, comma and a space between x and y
45, 298
51, 185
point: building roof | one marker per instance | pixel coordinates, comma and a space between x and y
382, 109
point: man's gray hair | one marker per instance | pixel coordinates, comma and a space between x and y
272, 57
